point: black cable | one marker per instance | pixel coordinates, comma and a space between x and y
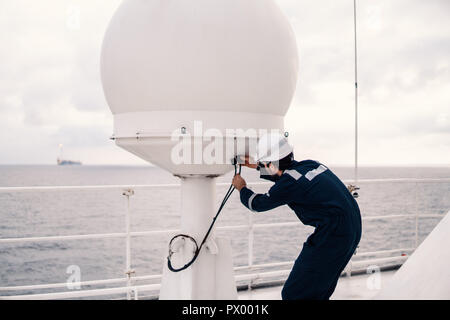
198, 248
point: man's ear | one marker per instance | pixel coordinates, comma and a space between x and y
273, 168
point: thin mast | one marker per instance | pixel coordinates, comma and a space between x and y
356, 95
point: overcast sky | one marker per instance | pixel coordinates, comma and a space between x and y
50, 89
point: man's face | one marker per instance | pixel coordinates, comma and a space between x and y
268, 168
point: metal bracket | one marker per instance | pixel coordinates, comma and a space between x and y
130, 272
353, 190
128, 192
212, 247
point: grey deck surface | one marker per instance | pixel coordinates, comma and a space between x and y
348, 288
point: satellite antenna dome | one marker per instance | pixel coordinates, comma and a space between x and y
212, 55
166, 64
169, 67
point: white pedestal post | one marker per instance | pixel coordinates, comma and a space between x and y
211, 275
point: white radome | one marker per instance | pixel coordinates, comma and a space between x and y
228, 63
166, 64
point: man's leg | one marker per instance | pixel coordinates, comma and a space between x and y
303, 282
333, 285
300, 285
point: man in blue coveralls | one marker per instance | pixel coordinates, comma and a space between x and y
319, 199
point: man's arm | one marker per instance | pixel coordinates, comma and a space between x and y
278, 195
260, 202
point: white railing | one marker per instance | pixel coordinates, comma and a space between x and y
132, 290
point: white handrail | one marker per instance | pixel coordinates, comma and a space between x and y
84, 293
176, 185
372, 253
175, 231
154, 287
81, 283
127, 235
378, 260
158, 276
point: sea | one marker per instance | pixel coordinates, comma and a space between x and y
90, 211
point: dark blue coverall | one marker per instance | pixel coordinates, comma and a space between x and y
321, 200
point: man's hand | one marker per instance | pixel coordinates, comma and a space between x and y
246, 160
239, 182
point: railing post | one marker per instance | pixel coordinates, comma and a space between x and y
250, 246
417, 217
348, 269
128, 271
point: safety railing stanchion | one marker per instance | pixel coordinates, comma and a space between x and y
250, 246
128, 271
416, 216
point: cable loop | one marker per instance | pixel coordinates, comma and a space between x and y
199, 248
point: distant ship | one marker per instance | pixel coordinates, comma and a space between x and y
61, 162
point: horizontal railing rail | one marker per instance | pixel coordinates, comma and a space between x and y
132, 290
176, 231
158, 276
176, 185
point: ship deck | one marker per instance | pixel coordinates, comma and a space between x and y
359, 287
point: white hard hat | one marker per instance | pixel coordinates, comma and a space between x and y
273, 147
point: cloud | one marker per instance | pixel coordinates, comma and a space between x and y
404, 78
50, 89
